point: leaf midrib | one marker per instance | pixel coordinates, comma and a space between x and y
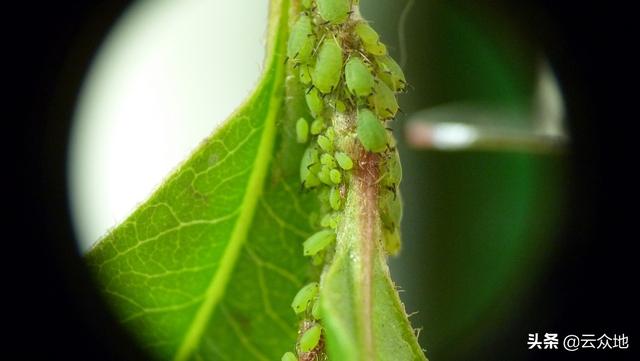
218, 283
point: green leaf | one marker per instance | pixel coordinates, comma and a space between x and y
361, 310
207, 267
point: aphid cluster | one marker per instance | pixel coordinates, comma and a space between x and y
348, 74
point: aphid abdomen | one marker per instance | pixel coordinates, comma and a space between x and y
326, 74
371, 132
358, 77
391, 73
310, 338
304, 297
301, 40
334, 11
383, 101
370, 39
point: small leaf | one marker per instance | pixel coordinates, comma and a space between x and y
362, 313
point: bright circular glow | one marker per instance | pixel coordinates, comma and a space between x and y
167, 75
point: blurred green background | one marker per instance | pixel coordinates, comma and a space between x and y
479, 226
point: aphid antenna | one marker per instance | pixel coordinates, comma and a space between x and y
315, 50
365, 57
333, 35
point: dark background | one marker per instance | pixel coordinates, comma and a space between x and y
589, 287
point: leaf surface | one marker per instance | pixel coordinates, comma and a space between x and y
207, 266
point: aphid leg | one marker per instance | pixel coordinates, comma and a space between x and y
401, 111
286, 59
315, 50
364, 57
310, 89
389, 129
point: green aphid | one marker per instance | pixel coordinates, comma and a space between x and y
328, 160
390, 204
383, 101
317, 126
318, 242
391, 73
309, 165
391, 241
324, 175
307, 3
327, 70
370, 39
310, 338
393, 175
330, 133
358, 77
325, 143
301, 40
376, 49
324, 223
289, 356
304, 297
344, 161
335, 176
302, 130
334, 11
315, 310
314, 102
305, 74
335, 201
330, 220
371, 132
317, 259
